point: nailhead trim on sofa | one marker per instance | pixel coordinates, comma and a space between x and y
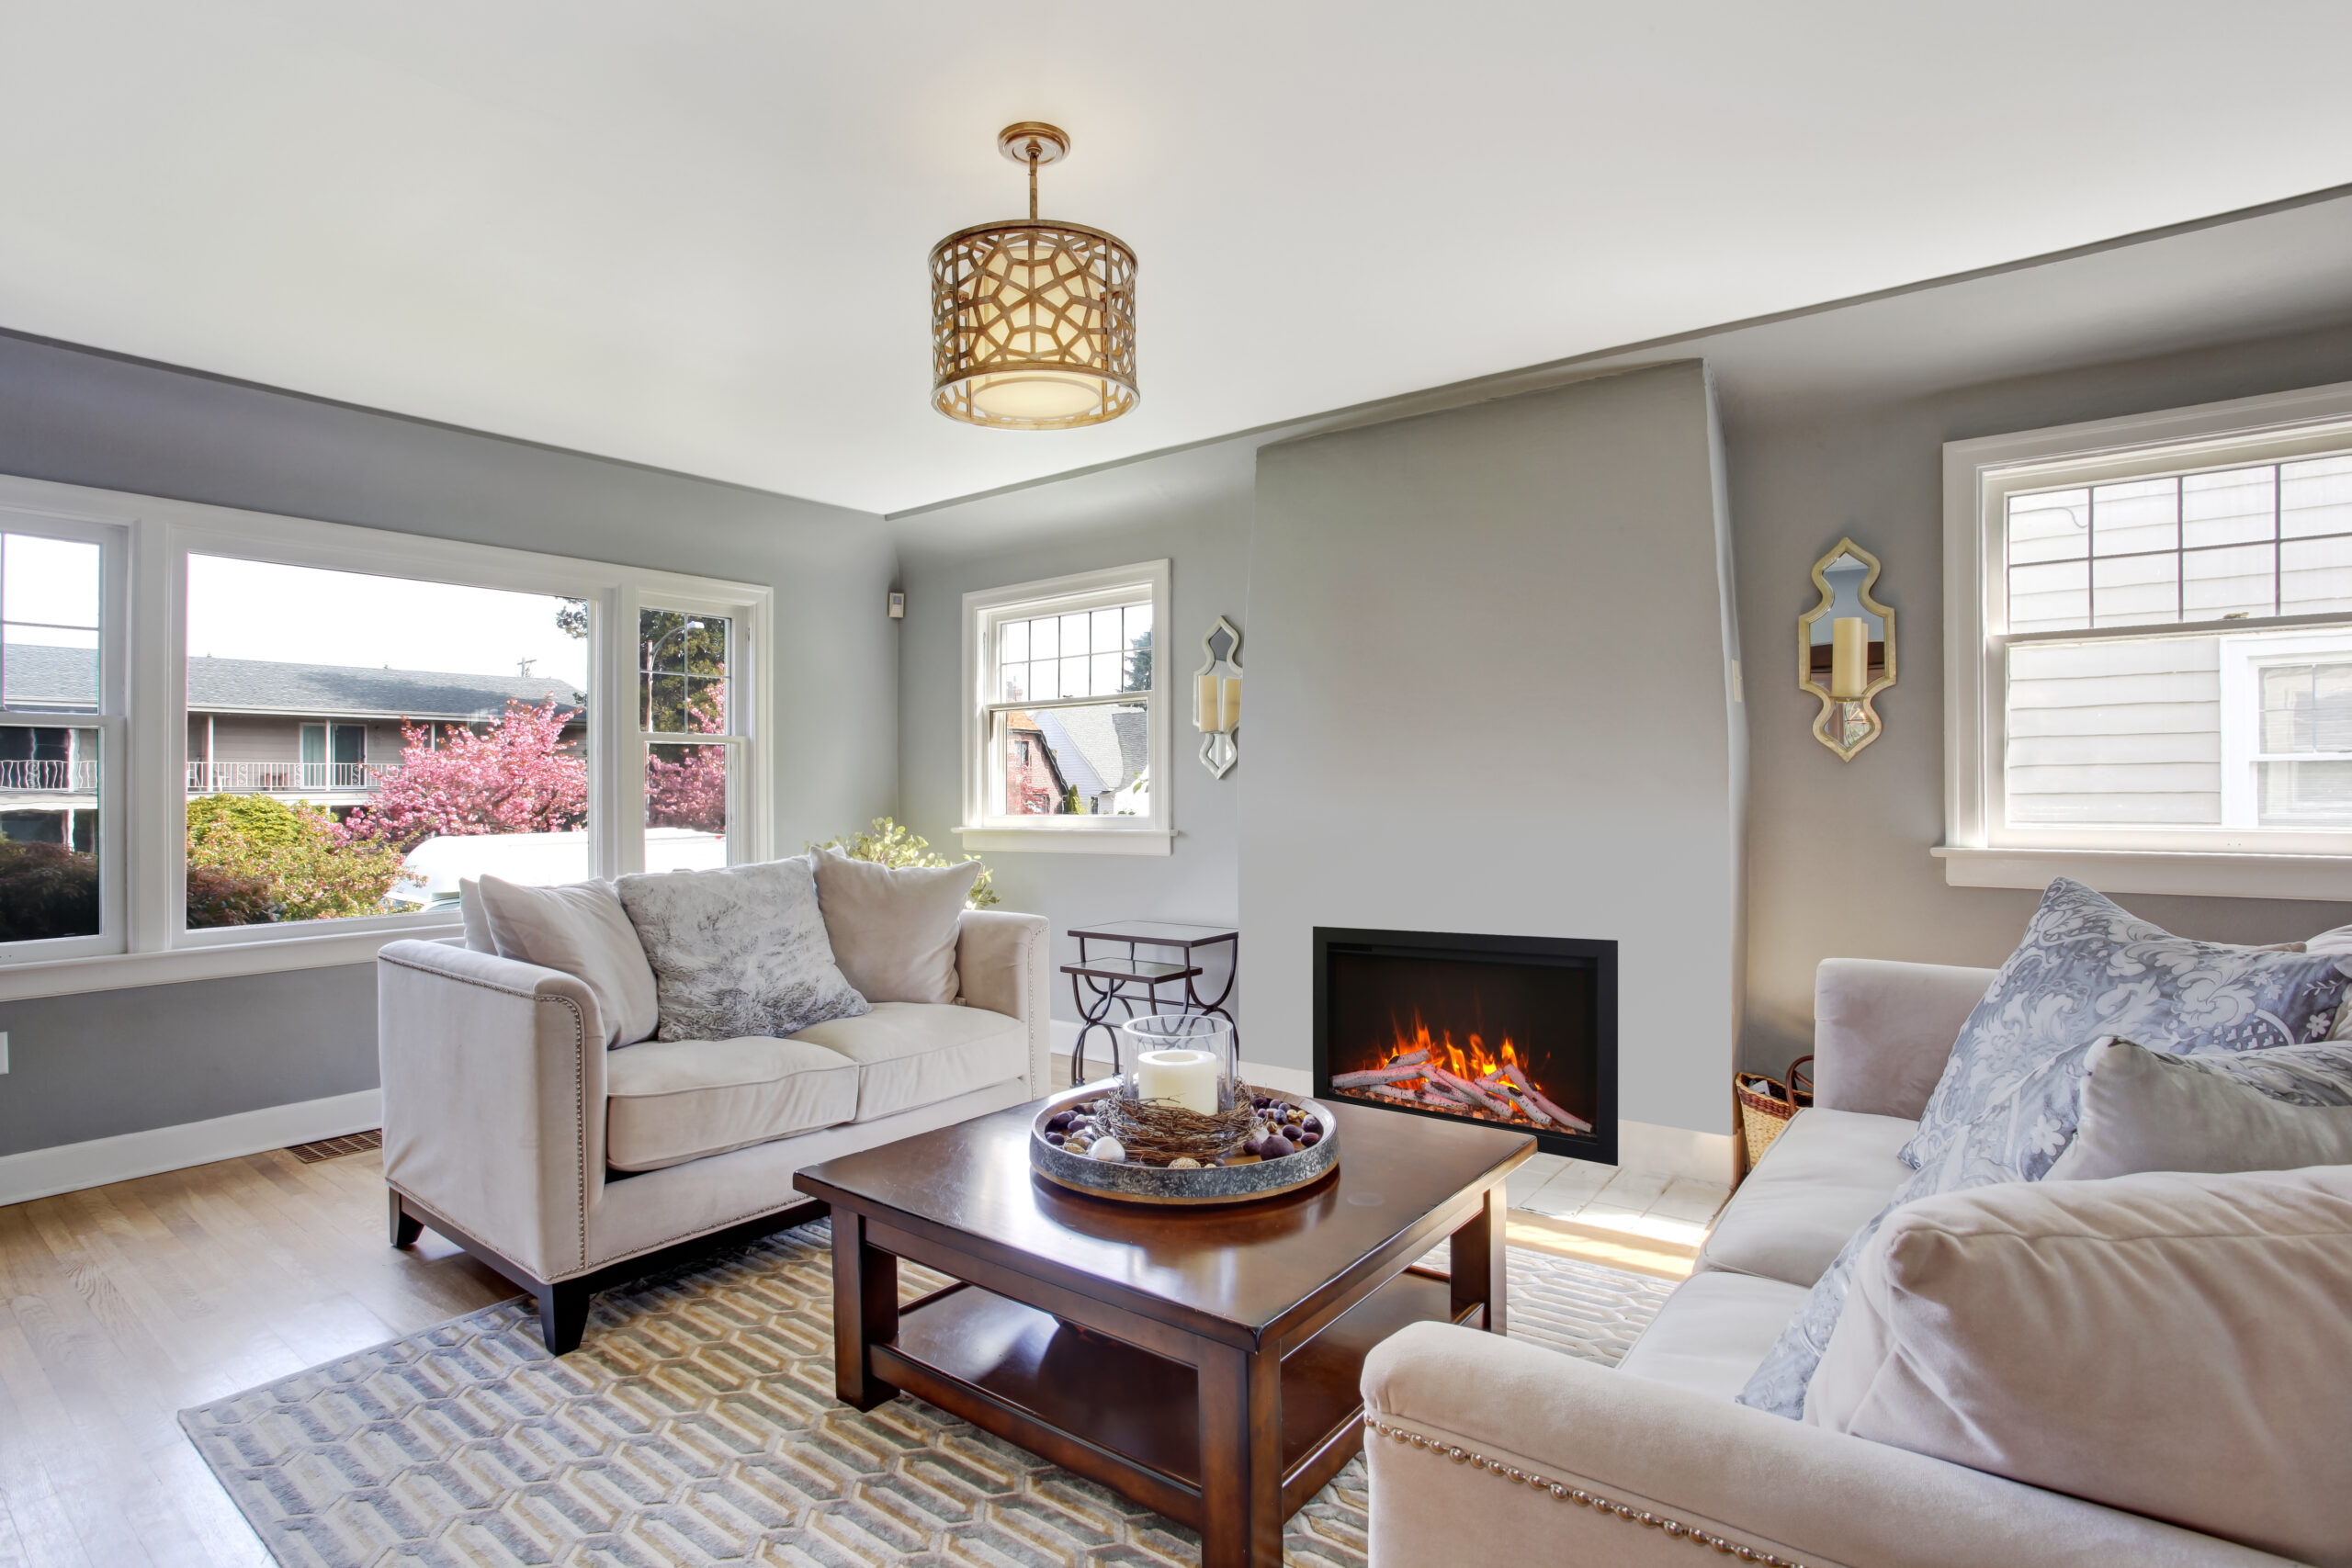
1568, 1494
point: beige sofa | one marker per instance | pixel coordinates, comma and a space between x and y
1483, 1451
512, 1130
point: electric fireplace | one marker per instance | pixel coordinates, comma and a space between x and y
1508, 1030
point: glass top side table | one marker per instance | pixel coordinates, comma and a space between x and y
1099, 981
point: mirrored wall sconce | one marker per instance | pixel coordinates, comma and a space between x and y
1846, 649
1217, 697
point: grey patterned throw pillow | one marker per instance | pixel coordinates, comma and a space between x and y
2087, 969
738, 951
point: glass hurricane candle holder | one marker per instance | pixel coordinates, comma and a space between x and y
1185, 1057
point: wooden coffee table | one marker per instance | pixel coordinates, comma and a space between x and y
1203, 1362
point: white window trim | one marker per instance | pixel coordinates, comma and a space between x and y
145, 788
1978, 850
982, 830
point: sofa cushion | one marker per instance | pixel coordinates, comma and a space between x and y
893, 929
2171, 1343
1712, 1332
580, 929
1825, 1175
2277, 1110
912, 1054
668, 1101
737, 950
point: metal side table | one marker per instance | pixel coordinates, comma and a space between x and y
1096, 983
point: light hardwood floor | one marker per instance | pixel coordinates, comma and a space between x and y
122, 1305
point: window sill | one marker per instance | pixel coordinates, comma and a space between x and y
2319, 879
120, 971
1070, 841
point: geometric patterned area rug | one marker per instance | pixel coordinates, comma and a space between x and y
697, 1426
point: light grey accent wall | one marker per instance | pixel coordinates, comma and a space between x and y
1491, 694
1193, 508
98, 1064
1838, 861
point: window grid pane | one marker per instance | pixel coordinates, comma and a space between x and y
1091, 653
2270, 539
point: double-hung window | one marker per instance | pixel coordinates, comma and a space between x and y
2150, 651
1065, 725
321, 731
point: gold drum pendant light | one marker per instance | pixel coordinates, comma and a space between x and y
1032, 325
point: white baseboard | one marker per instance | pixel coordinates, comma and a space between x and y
1641, 1146
69, 1167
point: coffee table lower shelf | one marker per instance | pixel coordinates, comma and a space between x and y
1125, 1417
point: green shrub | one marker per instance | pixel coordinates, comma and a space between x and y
46, 891
252, 859
888, 843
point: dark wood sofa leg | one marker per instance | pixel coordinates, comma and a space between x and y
406, 1227
564, 1315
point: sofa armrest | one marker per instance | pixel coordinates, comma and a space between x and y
1004, 964
1883, 1031
1647, 1453
494, 1075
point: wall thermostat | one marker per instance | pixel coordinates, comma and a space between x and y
898, 606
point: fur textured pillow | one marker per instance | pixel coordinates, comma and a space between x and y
738, 950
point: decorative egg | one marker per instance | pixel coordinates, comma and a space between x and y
1255, 1147
1076, 1144
1060, 1120
1057, 1139
1276, 1148
1183, 1162
1308, 1140
1108, 1149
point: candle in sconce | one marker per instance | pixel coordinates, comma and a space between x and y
1220, 703
1232, 714
1850, 656
1188, 1077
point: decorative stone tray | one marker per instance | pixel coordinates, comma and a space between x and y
1137, 1184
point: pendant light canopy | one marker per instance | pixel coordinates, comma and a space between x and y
1032, 325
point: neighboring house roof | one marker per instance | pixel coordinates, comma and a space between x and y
1101, 749
44, 675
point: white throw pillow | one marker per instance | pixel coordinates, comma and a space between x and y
2277, 1110
2171, 1343
738, 950
477, 937
893, 929
579, 929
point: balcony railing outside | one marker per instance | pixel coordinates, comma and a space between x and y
60, 776
283, 778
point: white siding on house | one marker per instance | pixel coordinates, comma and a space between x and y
2122, 732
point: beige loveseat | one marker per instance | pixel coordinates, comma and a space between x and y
512, 1130
1486, 1452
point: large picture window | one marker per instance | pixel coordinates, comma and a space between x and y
338, 727
1066, 740
2151, 635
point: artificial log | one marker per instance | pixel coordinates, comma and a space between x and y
1365, 1079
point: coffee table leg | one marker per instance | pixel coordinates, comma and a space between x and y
866, 1309
1479, 1251
1241, 1457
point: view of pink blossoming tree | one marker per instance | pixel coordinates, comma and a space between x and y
685, 786
514, 777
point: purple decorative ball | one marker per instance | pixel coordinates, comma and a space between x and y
1308, 1140
1256, 1147
1056, 1139
1060, 1122
1276, 1148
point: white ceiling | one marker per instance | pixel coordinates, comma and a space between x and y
693, 234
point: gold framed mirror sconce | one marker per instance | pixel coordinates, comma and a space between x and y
1846, 649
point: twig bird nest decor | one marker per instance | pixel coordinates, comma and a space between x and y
1097, 1140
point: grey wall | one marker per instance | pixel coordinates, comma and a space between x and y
1838, 861
96, 1066
1492, 694
1193, 507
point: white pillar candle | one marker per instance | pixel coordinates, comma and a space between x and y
1229, 716
1850, 656
1205, 704
1188, 1077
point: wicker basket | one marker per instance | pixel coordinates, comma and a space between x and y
1766, 1104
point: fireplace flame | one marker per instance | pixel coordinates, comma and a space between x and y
1463, 1078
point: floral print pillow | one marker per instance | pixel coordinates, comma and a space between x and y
2089, 969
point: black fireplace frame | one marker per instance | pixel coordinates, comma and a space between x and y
1601, 956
